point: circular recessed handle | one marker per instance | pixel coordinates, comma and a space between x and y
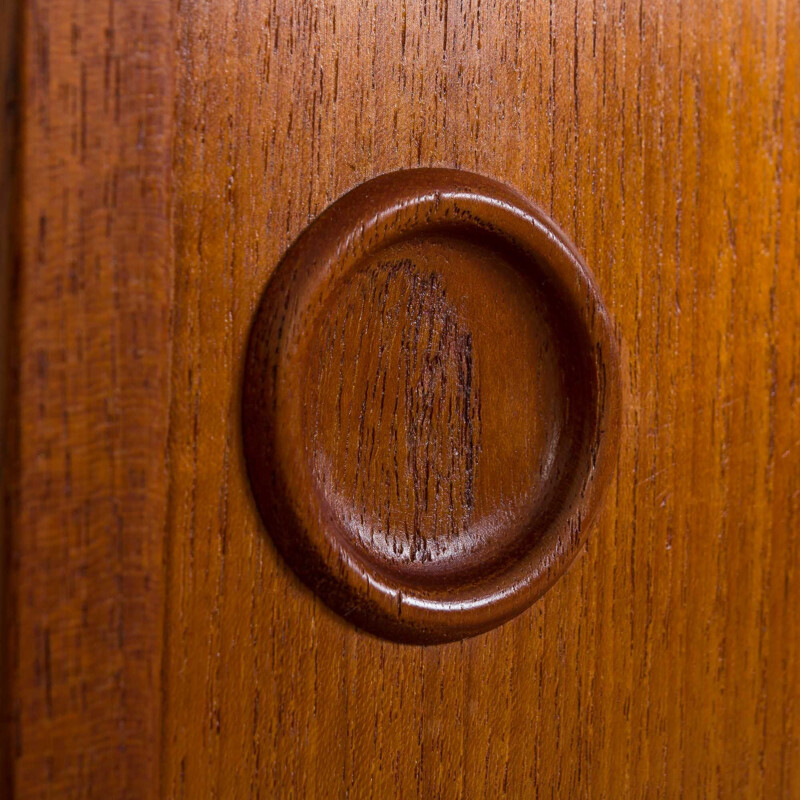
431, 404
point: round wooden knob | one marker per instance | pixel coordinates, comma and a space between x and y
431, 404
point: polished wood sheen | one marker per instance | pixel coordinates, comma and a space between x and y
431, 404
169, 155
85, 483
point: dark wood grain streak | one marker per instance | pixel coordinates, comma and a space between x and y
86, 482
664, 138
9, 193
410, 341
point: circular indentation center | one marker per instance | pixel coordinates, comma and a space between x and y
436, 406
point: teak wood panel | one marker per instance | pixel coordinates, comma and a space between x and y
85, 482
663, 137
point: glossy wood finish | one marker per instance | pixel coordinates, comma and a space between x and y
663, 138
431, 404
85, 481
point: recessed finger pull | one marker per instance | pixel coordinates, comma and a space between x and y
430, 405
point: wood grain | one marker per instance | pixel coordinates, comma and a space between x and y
86, 484
9, 192
430, 404
664, 138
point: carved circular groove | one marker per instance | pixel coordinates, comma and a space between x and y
431, 404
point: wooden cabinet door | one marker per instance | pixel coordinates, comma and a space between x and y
159, 158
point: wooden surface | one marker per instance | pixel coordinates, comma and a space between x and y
9, 131
430, 405
86, 485
663, 137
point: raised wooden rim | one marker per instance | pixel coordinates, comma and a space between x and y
374, 214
